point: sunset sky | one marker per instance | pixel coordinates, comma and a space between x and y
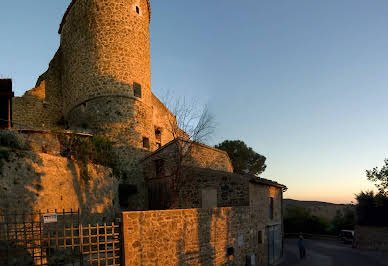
304, 83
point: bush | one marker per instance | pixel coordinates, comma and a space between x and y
11, 140
300, 219
97, 150
372, 210
4, 156
341, 221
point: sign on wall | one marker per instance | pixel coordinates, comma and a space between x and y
50, 218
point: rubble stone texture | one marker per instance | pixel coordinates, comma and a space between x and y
195, 236
89, 85
31, 181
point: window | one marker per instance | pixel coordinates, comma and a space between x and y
159, 167
158, 145
158, 134
271, 208
209, 198
146, 143
230, 251
137, 89
137, 10
260, 237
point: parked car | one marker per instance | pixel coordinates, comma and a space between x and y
347, 236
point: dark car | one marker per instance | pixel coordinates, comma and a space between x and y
347, 236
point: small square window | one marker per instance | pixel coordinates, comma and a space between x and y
229, 251
137, 89
146, 143
137, 10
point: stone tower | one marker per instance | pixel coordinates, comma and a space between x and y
106, 78
99, 81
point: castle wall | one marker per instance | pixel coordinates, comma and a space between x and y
31, 181
163, 119
106, 49
41, 107
90, 85
195, 237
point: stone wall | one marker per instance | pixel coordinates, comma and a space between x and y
163, 119
207, 157
259, 196
195, 237
192, 155
31, 181
41, 107
231, 189
106, 49
371, 238
46, 141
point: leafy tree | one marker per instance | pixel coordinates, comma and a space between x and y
299, 219
342, 221
372, 209
380, 177
244, 159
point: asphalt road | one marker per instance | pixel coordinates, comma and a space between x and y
330, 253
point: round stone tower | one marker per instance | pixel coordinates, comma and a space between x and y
106, 70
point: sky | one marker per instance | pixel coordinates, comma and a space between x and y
304, 83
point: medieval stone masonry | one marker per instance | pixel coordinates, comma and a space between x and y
99, 81
92, 136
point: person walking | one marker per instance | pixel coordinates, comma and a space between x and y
302, 248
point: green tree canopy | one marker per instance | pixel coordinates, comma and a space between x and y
372, 209
380, 177
244, 159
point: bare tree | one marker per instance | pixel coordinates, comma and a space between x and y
191, 120
190, 124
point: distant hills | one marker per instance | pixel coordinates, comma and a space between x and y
321, 209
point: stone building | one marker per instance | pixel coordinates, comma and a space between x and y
236, 219
99, 83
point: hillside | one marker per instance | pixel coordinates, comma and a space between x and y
321, 209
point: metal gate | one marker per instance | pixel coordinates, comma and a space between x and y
57, 238
274, 236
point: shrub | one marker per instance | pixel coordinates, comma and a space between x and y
11, 140
372, 210
4, 156
96, 149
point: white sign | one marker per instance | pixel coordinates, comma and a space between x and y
50, 218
